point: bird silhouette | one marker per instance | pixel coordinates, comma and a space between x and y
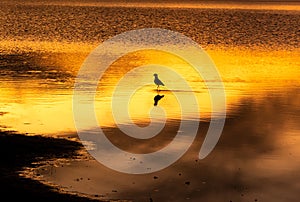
157, 81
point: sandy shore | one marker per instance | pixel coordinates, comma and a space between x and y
19, 151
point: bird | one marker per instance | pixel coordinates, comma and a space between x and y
157, 81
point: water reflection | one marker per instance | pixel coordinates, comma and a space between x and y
258, 148
258, 151
157, 98
36, 87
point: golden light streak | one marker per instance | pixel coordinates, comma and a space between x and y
45, 106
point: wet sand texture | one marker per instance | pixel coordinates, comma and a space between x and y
18, 151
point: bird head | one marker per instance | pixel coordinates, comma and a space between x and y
155, 74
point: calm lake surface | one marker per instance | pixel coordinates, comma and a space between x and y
256, 51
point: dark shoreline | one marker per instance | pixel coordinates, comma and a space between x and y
19, 151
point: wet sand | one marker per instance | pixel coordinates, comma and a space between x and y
19, 151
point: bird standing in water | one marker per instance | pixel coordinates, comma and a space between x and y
157, 81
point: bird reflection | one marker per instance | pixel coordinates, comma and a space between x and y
158, 82
157, 98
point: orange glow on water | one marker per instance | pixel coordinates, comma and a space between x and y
143, 99
36, 103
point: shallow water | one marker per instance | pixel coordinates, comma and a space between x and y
256, 53
37, 87
257, 154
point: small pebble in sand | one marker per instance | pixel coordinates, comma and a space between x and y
187, 183
155, 177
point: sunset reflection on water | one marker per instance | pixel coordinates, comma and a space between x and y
38, 95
